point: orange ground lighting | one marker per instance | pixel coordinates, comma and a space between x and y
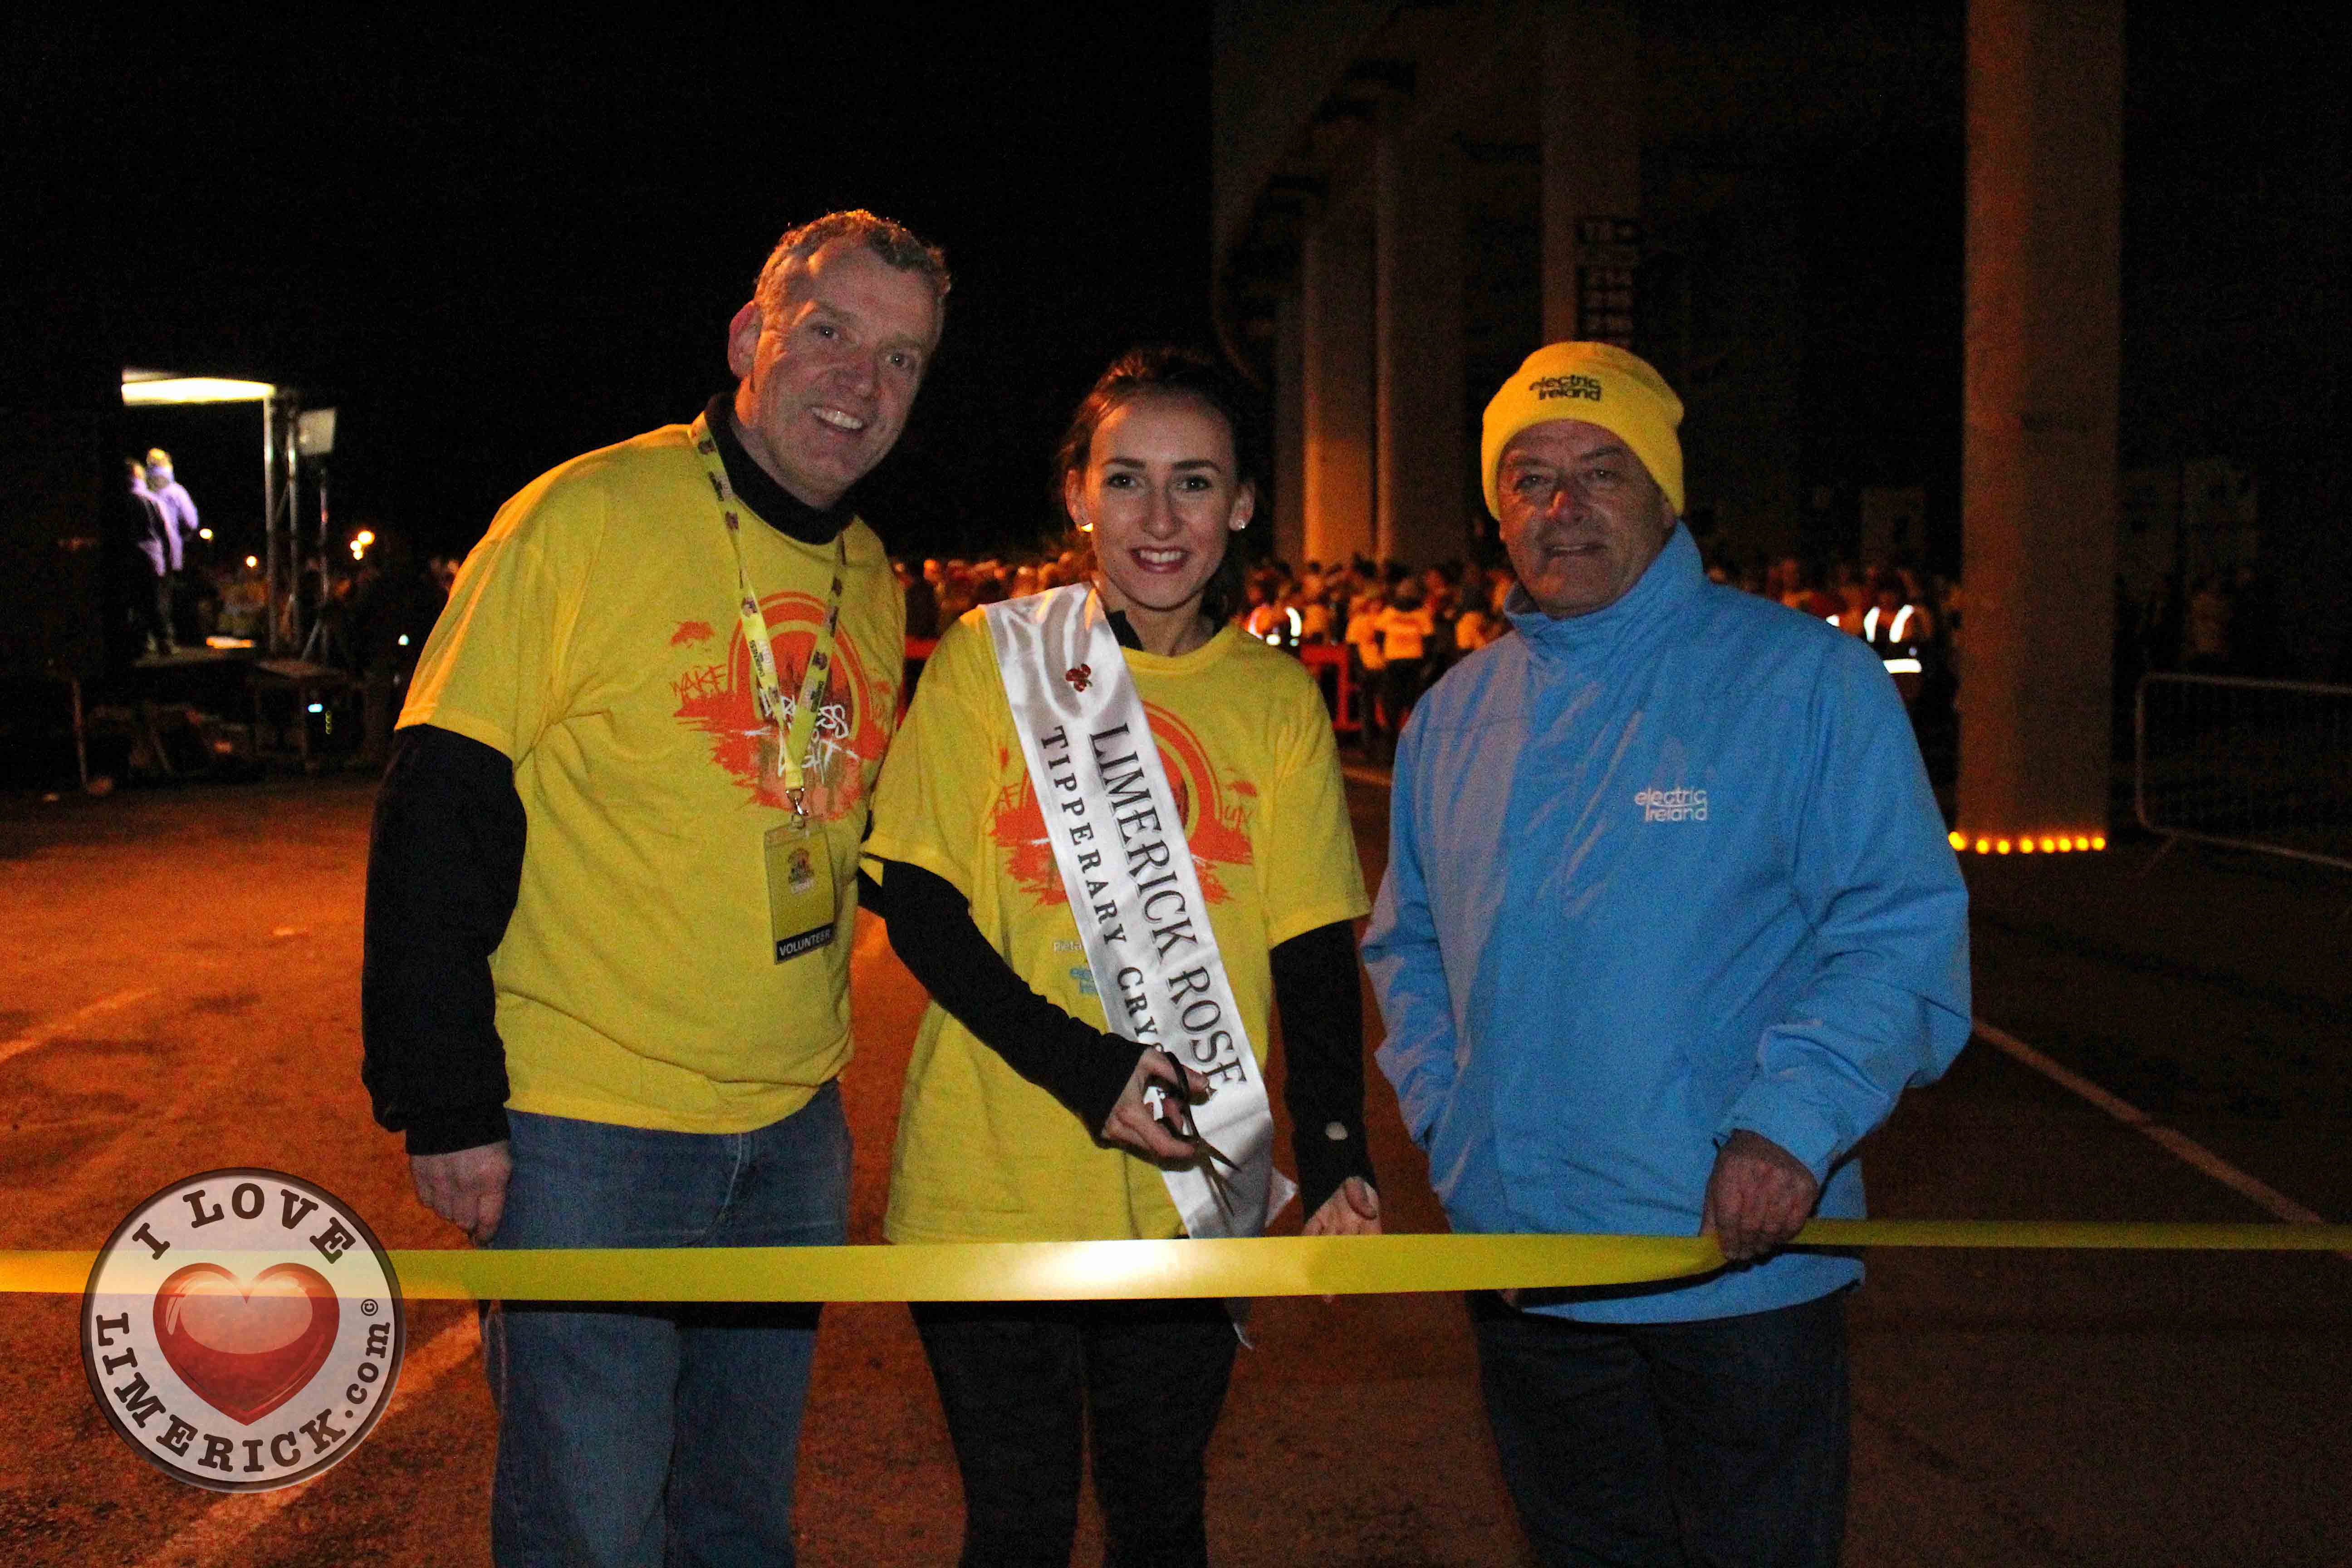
2027, 843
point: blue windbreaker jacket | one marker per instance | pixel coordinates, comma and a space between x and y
1656, 873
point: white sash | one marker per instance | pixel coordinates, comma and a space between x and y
1119, 842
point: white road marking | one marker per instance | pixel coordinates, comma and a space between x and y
2179, 1143
41, 1034
223, 1529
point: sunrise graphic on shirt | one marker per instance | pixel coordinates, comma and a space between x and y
1218, 835
720, 700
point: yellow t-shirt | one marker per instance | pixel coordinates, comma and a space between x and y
1403, 632
982, 1153
593, 637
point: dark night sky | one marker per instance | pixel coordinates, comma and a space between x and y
492, 250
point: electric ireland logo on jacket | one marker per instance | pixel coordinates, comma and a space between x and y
1676, 805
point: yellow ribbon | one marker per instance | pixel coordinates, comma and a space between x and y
1101, 1270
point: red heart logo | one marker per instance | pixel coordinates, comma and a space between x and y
245, 1352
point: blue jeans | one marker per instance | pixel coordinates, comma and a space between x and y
1719, 1442
1025, 1385
658, 1434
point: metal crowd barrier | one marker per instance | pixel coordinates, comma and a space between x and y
2254, 764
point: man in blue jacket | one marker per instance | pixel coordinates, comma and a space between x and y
1669, 922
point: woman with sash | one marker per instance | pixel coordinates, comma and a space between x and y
1111, 833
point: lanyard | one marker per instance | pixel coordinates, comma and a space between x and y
795, 722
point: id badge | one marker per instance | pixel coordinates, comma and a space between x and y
801, 910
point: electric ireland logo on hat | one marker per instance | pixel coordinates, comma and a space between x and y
1549, 386
243, 1330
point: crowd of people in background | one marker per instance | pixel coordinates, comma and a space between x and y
1404, 626
1401, 626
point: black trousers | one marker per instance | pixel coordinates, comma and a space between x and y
152, 605
1719, 1442
1400, 687
1028, 1387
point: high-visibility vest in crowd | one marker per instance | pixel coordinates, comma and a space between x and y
1895, 637
1282, 630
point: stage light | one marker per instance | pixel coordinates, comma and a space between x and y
2001, 846
154, 387
205, 534
2098, 841
1984, 845
1959, 840
253, 562
2025, 847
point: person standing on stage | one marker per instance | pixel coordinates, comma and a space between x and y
149, 529
179, 508
1115, 823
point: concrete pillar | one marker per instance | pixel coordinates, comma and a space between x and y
1336, 328
2038, 486
1424, 460
1288, 513
1591, 140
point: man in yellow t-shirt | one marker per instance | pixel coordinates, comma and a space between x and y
605, 995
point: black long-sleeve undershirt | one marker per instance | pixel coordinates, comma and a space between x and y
444, 865
1085, 1069
1319, 994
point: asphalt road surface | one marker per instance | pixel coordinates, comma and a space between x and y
179, 992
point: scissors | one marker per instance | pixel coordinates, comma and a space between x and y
1170, 1108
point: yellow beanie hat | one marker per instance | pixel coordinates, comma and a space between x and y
1602, 385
